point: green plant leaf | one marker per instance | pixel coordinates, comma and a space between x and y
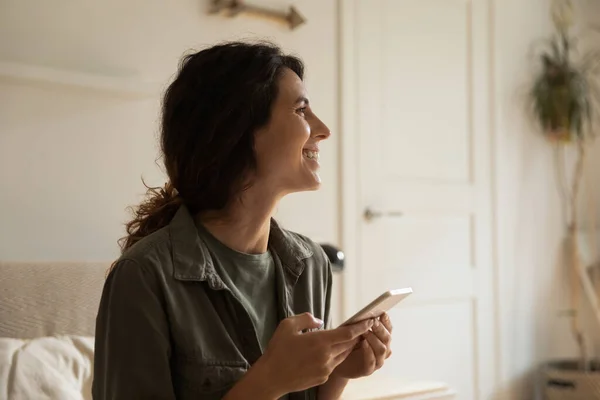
565, 96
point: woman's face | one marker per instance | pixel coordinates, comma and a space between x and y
287, 148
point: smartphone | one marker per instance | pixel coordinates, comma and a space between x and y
381, 304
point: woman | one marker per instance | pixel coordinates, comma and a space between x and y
211, 298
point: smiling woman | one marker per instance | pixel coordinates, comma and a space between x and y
211, 298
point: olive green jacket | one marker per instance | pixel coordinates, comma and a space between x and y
169, 328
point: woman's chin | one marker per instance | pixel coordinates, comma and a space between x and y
315, 181
309, 184
315, 187
317, 178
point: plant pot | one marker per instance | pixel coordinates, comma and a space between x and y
560, 136
563, 380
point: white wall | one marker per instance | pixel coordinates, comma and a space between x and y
590, 201
592, 22
71, 161
532, 282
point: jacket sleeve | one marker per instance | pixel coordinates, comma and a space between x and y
132, 348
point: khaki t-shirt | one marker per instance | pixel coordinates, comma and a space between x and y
251, 279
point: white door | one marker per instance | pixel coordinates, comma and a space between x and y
418, 107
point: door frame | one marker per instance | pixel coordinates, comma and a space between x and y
349, 186
348, 157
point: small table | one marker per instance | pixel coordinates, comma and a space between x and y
381, 387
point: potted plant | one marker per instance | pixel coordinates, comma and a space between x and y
565, 99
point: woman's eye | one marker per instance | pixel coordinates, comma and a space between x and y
301, 110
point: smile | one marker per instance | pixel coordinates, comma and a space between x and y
311, 155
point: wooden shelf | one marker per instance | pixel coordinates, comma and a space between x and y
121, 86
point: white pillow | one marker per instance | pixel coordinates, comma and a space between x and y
47, 368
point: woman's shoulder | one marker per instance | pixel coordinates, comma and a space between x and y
150, 252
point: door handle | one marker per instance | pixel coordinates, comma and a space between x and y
369, 214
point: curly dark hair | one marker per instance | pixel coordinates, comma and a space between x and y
219, 98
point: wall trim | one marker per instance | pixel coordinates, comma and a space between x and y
493, 188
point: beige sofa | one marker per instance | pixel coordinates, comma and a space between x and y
43, 299
47, 319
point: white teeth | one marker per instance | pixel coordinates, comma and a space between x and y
313, 155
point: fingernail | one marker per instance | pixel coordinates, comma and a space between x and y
318, 321
376, 323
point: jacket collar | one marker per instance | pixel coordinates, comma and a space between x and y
192, 260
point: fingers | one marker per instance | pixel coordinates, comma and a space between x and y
381, 332
301, 322
379, 349
387, 322
342, 356
341, 348
348, 333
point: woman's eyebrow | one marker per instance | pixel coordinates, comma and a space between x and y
302, 99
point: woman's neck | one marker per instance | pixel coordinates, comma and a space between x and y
244, 225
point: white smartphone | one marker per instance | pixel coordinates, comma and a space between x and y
381, 304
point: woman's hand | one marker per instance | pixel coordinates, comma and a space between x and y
296, 361
370, 353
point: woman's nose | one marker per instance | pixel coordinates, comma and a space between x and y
320, 130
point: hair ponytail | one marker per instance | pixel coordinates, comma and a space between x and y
155, 212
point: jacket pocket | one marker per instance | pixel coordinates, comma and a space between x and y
207, 380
